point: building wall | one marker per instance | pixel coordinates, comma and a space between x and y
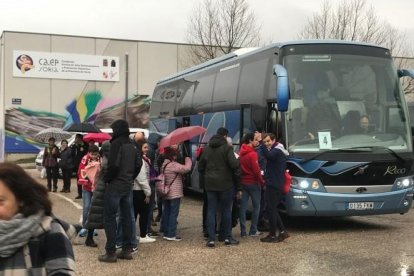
59, 102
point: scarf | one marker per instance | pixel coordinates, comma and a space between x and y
16, 232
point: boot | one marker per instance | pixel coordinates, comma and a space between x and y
125, 254
90, 242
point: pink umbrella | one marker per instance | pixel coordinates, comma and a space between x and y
180, 135
97, 137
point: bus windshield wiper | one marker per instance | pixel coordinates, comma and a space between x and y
357, 149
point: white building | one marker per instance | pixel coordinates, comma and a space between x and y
52, 80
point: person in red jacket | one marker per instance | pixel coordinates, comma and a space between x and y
252, 181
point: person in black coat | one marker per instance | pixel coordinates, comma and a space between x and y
66, 165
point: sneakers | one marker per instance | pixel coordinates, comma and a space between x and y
108, 257
283, 236
118, 246
83, 233
210, 244
230, 242
270, 239
146, 239
134, 250
258, 233
176, 238
78, 197
125, 254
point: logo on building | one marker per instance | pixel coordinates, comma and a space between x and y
24, 63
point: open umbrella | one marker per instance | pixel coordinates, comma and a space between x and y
82, 127
97, 137
52, 132
180, 135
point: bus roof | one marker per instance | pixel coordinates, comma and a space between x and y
250, 51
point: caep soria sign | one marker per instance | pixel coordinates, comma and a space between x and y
29, 64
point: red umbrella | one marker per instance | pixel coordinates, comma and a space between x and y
97, 137
180, 135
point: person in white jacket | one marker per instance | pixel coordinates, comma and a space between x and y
142, 194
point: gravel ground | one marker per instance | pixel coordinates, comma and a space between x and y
376, 245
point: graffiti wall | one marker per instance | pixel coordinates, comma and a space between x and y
23, 124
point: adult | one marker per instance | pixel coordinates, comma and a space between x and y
219, 166
364, 124
124, 164
31, 240
79, 149
173, 172
142, 193
252, 181
274, 180
50, 157
66, 165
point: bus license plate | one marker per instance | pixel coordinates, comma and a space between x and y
360, 205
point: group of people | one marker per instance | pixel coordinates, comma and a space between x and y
224, 178
118, 185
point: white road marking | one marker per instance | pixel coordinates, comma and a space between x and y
77, 206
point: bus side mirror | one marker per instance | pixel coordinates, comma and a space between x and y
282, 89
405, 73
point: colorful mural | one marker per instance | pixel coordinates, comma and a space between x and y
23, 124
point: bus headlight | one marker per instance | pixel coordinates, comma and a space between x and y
404, 183
304, 184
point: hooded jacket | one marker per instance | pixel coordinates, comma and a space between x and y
249, 166
124, 161
219, 165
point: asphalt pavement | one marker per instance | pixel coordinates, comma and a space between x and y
373, 245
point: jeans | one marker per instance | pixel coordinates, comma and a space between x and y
119, 234
222, 200
115, 200
273, 198
169, 217
253, 191
86, 198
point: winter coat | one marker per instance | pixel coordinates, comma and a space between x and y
50, 156
96, 210
124, 161
174, 171
66, 160
141, 183
249, 166
50, 253
275, 167
78, 151
219, 165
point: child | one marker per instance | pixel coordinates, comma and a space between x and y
88, 171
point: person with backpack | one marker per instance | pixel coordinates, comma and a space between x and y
173, 172
32, 241
220, 168
274, 181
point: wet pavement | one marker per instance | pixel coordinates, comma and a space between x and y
374, 245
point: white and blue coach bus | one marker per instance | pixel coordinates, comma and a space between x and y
312, 95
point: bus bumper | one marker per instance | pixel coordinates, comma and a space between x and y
308, 203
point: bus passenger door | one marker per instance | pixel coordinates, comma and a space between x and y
245, 120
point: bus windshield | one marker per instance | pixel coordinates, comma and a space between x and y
340, 101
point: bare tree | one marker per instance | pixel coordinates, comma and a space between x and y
219, 27
354, 20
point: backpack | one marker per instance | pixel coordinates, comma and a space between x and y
161, 186
288, 181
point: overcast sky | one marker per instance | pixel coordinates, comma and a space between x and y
166, 20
